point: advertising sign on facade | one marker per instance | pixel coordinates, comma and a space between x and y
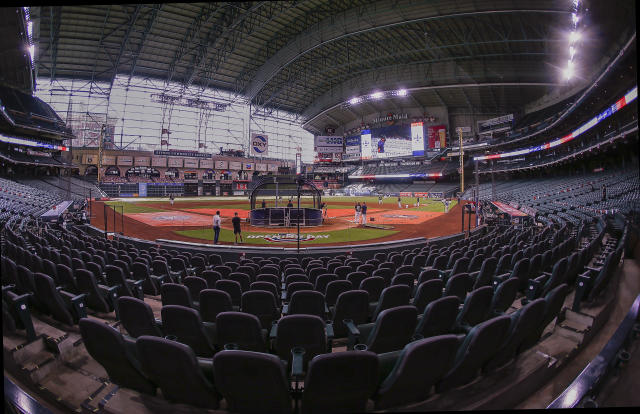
191, 162
206, 163
142, 161
222, 165
175, 162
125, 160
334, 142
235, 165
259, 144
158, 162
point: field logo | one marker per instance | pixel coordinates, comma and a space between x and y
287, 237
260, 144
400, 216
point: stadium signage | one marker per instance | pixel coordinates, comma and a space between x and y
495, 121
259, 144
180, 153
287, 237
390, 118
322, 141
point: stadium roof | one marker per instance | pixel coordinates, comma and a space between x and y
310, 56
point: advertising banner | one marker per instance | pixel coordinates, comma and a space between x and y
365, 144
175, 162
206, 164
272, 167
125, 160
259, 144
90, 159
235, 165
222, 165
247, 166
352, 145
142, 189
261, 167
328, 141
437, 136
417, 139
191, 162
142, 161
158, 162
181, 153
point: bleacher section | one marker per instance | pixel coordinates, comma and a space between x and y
568, 198
461, 309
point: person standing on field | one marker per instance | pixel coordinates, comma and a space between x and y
237, 230
364, 212
216, 227
399, 202
358, 209
380, 199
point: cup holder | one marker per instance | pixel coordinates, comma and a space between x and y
230, 346
298, 350
171, 337
360, 347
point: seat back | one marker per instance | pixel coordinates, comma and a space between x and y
212, 302
374, 286
439, 317
353, 305
306, 331
175, 294
487, 272
406, 279
237, 371
137, 317
392, 296
240, 328
458, 285
186, 325
393, 329
427, 292
232, 288
504, 295
476, 307
307, 302
106, 345
48, 295
481, 344
179, 376
323, 280
523, 322
334, 289
326, 392
385, 273
409, 382
296, 286
87, 284
262, 304
195, 285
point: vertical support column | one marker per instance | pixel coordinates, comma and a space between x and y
461, 161
477, 196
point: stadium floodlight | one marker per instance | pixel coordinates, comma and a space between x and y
376, 95
574, 18
402, 92
574, 36
572, 52
354, 101
568, 72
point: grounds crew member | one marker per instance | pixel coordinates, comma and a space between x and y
216, 227
237, 230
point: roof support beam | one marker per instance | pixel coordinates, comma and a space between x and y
150, 22
383, 15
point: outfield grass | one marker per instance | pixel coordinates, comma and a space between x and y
345, 235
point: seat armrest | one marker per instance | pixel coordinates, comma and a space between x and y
501, 278
274, 331
330, 333
594, 269
326, 309
159, 323
8, 288
297, 359
387, 361
206, 366
474, 274
283, 296
353, 333
285, 309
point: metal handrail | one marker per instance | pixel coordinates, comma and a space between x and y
594, 373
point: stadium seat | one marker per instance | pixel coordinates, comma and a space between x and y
479, 345
392, 329
334, 289
64, 306
262, 304
299, 331
306, 302
427, 292
475, 309
137, 317
409, 382
186, 325
212, 302
504, 295
179, 376
237, 371
325, 392
391, 297
439, 317
107, 346
242, 329
233, 289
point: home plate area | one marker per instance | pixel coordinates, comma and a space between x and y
402, 216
